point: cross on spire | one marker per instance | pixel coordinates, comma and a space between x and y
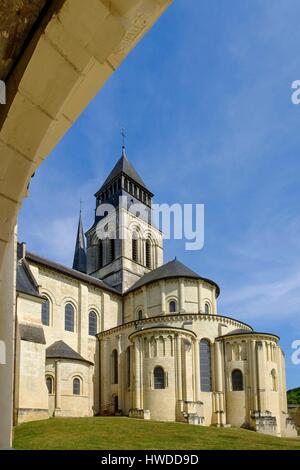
123, 141
123, 136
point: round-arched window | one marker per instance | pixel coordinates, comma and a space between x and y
172, 306
50, 384
205, 366
207, 308
46, 311
69, 317
237, 380
92, 323
159, 378
140, 315
76, 386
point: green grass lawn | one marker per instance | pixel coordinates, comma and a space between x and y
120, 433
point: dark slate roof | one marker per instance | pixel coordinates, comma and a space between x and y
79, 262
25, 281
32, 333
60, 350
70, 272
169, 270
124, 166
245, 332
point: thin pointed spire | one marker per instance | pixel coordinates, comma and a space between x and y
79, 262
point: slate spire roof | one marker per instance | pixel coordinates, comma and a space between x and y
123, 166
79, 262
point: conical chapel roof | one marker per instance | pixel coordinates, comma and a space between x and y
172, 269
123, 166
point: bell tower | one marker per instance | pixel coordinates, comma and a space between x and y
123, 244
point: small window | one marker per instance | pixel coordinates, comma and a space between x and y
159, 378
50, 384
237, 380
46, 312
76, 386
69, 317
92, 323
172, 306
115, 367
140, 315
207, 308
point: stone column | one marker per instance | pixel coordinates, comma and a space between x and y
219, 384
282, 381
7, 319
261, 370
196, 371
253, 372
181, 296
163, 297
214, 301
82, 321
121, 386
199, 296
105, 380
132, 309
179, 366
141, 374
137, 383
57, 385
145, 297
91, 390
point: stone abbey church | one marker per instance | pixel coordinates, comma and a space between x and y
123, 333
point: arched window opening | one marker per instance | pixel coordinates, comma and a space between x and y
205, 366
69, 317
274, 380
172, 306
148, 254
135, 248
140, 315
92, 323
46, 312
237, 380
207, 308
50, 384
128, 357
114, 366
159, 378
76, 386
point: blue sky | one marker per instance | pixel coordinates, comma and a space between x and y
206, 102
